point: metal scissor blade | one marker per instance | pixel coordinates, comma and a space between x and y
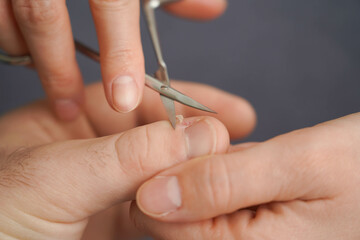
173, 94
188, 101
170, 109
17, 61
167, 102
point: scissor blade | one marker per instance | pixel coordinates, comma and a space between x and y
16, 61
188, 101
170, 109
168, 103
173, 94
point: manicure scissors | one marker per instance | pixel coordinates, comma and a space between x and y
160, 83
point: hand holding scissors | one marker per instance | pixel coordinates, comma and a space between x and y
42, 29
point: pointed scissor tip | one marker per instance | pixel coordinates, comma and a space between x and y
173, 124
201, 107
212, 111
172, 119
204, 108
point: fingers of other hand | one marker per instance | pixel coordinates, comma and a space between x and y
197, 9
98, 173
234, 112
275, 221
233, 227
290, 167
122, 61
11, 40
46, 28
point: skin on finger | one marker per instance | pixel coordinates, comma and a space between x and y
100, 120
232, 226
98, 173
322, 219
12, 41
236, 113
121, 57
47, 31
275, 221
242, 146
113, 223
35, 126
197, 9
290, 167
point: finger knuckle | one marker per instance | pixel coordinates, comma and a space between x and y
110, 5
127, 57
14, 170
217, 228
145, 150
59, 80
101, 158
219, 183
120, 53
134, 161
33, 13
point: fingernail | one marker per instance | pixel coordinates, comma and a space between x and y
125, 94
160, 196
200, 139
66, 109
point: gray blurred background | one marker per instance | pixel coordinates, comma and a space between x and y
297, 62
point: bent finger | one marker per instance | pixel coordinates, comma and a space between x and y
232, 226
121, 56
47, 31
275, 221
236, 113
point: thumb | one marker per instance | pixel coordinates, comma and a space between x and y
69, 181
282, 169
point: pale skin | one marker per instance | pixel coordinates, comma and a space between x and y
74, 180
42, 29
300, 185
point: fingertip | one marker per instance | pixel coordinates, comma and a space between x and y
197, 9
222, 135
248, 118
237, 114
67, 109
205, 136
124, 81
125, 94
